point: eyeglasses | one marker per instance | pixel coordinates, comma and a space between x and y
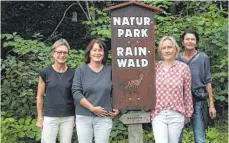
59, 53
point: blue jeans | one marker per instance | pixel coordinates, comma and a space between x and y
198, 124
89, 127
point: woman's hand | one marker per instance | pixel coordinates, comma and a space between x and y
186, 120
99, 111
39, 124
114, 113
74, 126
212, 112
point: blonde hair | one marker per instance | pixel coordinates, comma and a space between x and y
172, 40
60, 42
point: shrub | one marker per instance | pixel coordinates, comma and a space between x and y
19, 131
20, 71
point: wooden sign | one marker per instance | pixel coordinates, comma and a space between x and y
133, 118
133, 55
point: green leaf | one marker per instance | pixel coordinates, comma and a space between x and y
27, 122
21, 134
30, 134
93, 32
113, 134
10, 119
21, 121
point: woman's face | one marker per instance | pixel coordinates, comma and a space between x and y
168, 50
60, 54
189, 41
96, 53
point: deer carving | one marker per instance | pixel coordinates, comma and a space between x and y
133, 85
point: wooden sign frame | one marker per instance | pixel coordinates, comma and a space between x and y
133, 55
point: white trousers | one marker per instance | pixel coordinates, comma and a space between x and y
89, 127
167, 126
51, 126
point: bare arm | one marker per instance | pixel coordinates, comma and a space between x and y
210, 94
40, 93
212, 110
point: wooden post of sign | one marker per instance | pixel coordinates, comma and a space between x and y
133, 63
134, 119
135, 134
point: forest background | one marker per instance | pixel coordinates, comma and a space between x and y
29, 28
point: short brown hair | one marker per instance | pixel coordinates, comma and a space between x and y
89, 47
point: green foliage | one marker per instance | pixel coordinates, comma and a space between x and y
100, 26
159, 3
213, 29
20, 73
18, 131
119, 131
216, 133
209, 21
23, 59
188, 135
75, 58
148, 136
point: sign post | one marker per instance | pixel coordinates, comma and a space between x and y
134, 119
133, 63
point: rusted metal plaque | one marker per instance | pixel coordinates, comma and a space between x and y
133, 58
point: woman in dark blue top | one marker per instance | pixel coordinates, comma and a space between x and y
56, 81
199, 65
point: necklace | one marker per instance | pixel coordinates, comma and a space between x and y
60, 74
